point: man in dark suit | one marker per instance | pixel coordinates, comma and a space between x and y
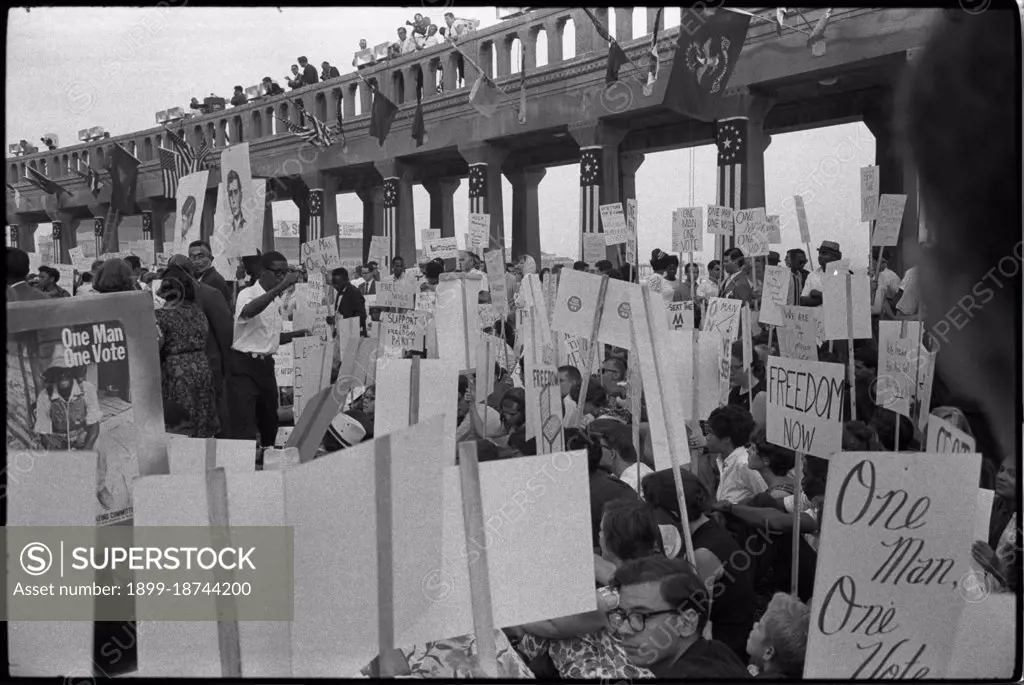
309, 75
201, 256
328, 72
219, 335
349, 302
370, 278
17, 271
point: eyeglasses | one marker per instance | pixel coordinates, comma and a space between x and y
636, 620
278, 272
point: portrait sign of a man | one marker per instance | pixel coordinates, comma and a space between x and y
188, 213
235, 201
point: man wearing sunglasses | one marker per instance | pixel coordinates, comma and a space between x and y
660, 618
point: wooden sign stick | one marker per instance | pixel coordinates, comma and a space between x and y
414, 392
849, 347
465, 320
592, 352
798, 475
479, 576
745, 319
634, 404
385, 558
228, 641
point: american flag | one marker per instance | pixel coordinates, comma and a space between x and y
14, 235
590, 192
478, 188
316, 215
171, 167
147, 225
97, 230
190, 161
91, 176
315, 134
57, 226
390, 216
731, 138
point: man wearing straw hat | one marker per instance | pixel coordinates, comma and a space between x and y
829, 252
68, 410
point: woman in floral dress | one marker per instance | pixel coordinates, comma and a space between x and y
186, 379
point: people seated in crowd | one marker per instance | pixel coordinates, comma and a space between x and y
778, 641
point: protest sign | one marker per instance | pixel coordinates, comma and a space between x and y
613, 223
479, 231
457, 323
161, 259
544, 402
805, 406
145, 250
593, 248
350, 230
411, 391
889, 220
774, 228
426, 300
701, 386
720, 220
307, 378
896, 386
869, 193
402, 332
79, 260
801, 219
751, 234
723, 316
444, 248
320, 255
798, 343
884, 605
399, 294
67, 277
284, 365
574, 351
925, 378
575, 307
680, 315
496, 283
430, 234
840, 293
191, 201
380, 251
945, 438
774, 294
615, 327
688, 229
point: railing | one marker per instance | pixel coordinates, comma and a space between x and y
399, 79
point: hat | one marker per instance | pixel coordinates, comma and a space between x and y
59, 361
830, 246
346, 430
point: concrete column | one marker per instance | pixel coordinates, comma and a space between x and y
553, 32
895, 176
528, 44
27, 236
162, 212
323, 201
399, 219
587, 39
623, 24
503, 46
599, 144
526, 212
409, 78
373, 215
485, 161
628, 165
442, 204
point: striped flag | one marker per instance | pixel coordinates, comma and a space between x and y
190, 161
478, 189
590, 191
391, 215
97, 230
655, 60
316, 215
170, 170
91, 176
41, 181
147, 225
202, 157
315, 133
731, 139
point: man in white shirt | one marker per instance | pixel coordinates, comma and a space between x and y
811, 295
887, 285
620, 456
251, 383
457, 28
358, 280
908, 302
432, 38
730, 429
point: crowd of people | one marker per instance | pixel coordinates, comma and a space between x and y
730, 613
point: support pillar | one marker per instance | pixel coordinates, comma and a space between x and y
27, 236
895, 176
740, 137
99, 212
599, 173
64, 227
485, 161
526, 212
373, 216
399, 220
158, 211
628, 166
623, 24
442, 204
323, 205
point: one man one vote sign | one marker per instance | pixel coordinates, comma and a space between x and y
805, 405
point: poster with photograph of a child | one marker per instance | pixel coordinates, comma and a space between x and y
84, 375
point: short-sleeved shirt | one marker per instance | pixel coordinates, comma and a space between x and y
738, 482
908, 304
260, 334
57, 416
815, 281
888, 286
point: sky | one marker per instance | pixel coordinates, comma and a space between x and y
70, 68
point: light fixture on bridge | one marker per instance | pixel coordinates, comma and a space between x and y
50, 140
816, 41
161, 116
95, 133
175, 113
14, 149
252, 91
509, 12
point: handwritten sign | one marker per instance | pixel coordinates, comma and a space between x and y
402, 332
775, 293
593, 248
145, 250
445, 248
96, 344
320, 254
688, 229
544, 401
751, 231
430, 234
79, 260
396, 294
380, 249
479, 230
348, 230
307, 353
495, 262
889, 220
574, 352
680, 316
868, 193
845, 298
886, 600
723, 316
945, 438
897, 365
720, 221
805, 406
67, 276
426, 301
801, 219
613, 223
576, 303
925, 379
162, 258
774, 227
284, 365
798, 343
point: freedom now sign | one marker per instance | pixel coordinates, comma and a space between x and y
805, 406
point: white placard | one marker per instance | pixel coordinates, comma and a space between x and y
402, 332
380, 250
945, 438
576, 303
805, 406
399, 294
704, 385
191, 200
896, 386
284, 365
479, 231
778, 280
544, 402
79, 260
720, 220
615, 326
723, 316
320, 255
348, 230
457, 323
889, 220
688, 230
445, 248
751, 234
801, 219
835, 304
494, 260
680, 315
613, 223
869, 193
886, 600
593, 249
